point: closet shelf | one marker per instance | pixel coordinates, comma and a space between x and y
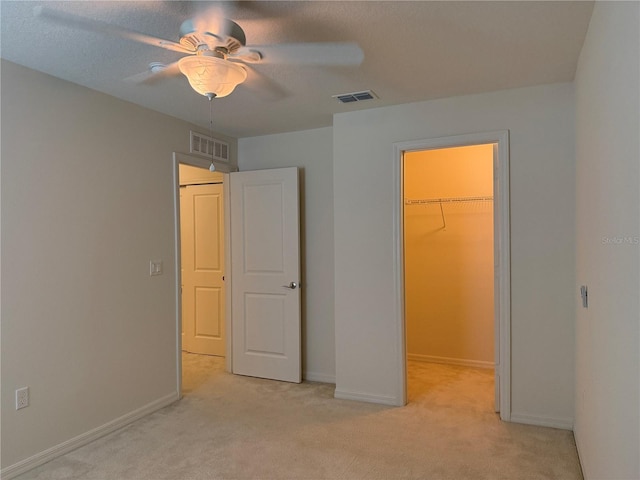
440, 201
426, 201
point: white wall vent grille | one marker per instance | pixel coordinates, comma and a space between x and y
206, 146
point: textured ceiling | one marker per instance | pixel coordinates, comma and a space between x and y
414, 50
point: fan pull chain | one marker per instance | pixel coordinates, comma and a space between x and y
212, 167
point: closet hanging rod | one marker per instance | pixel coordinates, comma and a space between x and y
426, 201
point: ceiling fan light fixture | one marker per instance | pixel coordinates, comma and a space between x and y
212, 76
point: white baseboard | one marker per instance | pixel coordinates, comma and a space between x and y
450, 361
367, 397
319, 377
581, 457
542, 421
49, 454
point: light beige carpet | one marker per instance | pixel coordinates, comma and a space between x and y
232, 427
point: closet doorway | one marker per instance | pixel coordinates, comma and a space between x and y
448, 268
202, 261
453, 260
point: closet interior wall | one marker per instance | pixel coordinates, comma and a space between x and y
449, 271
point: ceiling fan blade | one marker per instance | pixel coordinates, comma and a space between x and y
263, 86
340, 54
92, 25
156, 72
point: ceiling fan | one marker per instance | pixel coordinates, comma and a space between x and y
217, 57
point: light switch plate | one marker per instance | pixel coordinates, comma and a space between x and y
155, 267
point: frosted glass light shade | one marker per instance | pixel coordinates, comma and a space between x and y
211, 75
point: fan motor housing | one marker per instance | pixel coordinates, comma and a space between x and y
232, 39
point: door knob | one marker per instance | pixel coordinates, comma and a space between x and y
292, 285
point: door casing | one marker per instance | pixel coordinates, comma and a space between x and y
502, 303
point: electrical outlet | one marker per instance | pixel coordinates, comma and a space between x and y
22, 398
584, 293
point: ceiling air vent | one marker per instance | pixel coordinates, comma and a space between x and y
206, 146
356, 96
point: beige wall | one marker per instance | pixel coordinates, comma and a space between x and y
540, 121
449, 265
87, 201
607, 427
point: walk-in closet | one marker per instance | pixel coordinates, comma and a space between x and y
448, 257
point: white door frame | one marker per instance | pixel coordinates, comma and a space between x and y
502, 244
225, 169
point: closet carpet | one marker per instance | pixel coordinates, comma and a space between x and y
233, 427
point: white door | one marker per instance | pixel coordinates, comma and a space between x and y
202, 258
265, 268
